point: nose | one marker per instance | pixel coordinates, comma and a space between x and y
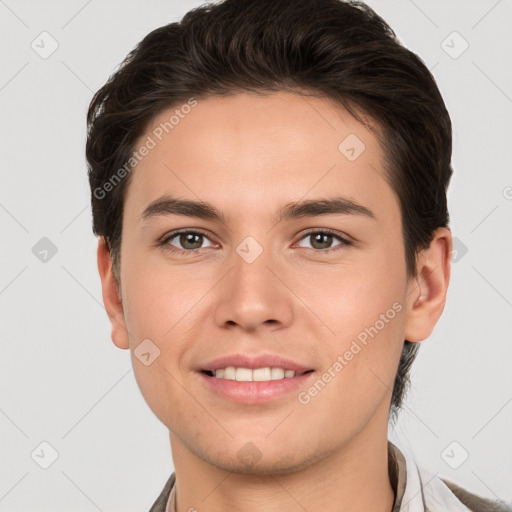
254, 293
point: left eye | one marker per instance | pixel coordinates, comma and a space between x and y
323, 240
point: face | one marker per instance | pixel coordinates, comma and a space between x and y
298, 264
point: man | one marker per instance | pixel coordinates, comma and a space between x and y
269, 183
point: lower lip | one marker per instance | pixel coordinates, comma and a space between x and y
255, 392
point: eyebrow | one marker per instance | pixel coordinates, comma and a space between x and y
168, 205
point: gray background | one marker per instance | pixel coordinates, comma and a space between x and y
65, 383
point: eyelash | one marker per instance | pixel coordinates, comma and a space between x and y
166, 246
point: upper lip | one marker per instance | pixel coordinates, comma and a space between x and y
254, 361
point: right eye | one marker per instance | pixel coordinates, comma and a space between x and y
189, 240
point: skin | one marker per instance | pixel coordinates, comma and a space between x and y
249, 155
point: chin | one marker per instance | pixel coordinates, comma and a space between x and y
263, 468
250, 460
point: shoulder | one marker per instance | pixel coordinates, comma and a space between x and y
418, 488
160, 504
474, 502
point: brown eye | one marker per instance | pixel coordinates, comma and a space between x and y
190, 240
322, 240
185, 241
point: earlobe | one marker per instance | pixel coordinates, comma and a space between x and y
427, 292
111, 296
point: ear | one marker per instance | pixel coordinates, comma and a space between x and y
427, 292
112, 296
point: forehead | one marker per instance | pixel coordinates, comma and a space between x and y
246, 151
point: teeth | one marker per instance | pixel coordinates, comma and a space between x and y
261, 374
243, 374
230, 373
256, 375
277, 373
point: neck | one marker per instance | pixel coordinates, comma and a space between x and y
353, 478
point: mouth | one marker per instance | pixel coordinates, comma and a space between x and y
254, 380
252, 386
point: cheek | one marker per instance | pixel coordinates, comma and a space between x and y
158, 296
352, 296
156, 315
362, 309
360, 359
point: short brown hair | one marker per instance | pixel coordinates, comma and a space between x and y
336, 49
